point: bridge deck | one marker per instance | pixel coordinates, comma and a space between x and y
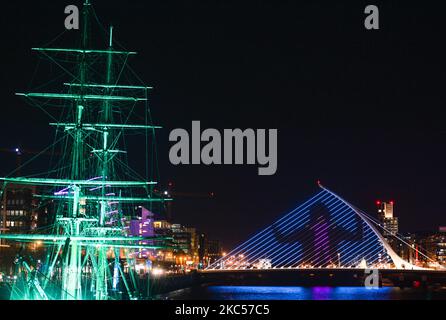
322, 277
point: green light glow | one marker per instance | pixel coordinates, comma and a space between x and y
108, 86
97, 198
64, 182
75, 238
84, 51
68, 96
90, 246
106, 126
107, 245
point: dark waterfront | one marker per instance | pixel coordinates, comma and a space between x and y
302, 293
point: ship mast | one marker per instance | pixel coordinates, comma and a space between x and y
87, 230
72, 266
107, 113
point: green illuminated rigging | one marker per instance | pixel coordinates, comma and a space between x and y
85, 51
112, 86
108, 126
62, 182
96, 198
95, 188
79, 96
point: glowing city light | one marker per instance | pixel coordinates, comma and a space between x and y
157, 271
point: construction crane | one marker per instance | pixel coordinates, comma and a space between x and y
19, 152
170, 193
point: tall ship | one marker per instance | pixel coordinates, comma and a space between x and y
88, 250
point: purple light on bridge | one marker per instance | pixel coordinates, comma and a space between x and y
321, 242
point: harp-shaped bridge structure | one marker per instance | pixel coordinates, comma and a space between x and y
325, 231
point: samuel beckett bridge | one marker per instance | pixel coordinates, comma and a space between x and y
325, 236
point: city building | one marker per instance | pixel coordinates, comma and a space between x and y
214, 250
409, 250
162, 227
185, 241
387, 218
18, 209
194, 245
142, 226
188, 247
426, 249
21, 213
432, 245
441, 246
202, 250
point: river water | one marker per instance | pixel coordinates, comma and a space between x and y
302, 293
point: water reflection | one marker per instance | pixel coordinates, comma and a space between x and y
301, 293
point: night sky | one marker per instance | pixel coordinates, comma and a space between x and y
360, 110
